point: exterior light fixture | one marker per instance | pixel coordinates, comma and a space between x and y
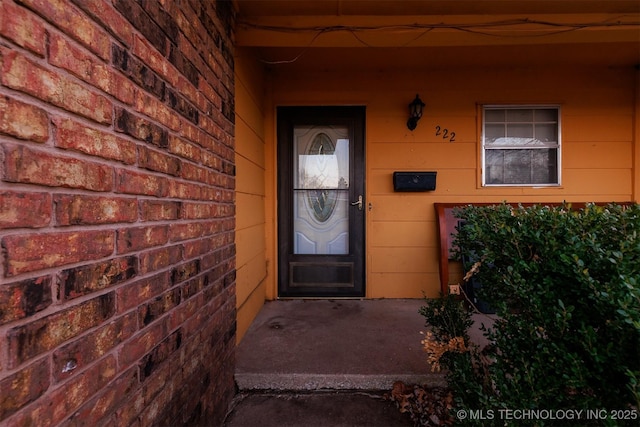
415, 112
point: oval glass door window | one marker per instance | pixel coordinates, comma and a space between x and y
321, 185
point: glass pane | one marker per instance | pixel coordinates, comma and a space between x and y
494, 165
520, 131
517, 167
494, 116
321, 158
546, 115
519, 115
321, 190
493, 133
537, 166
546, 133
321, 222
544, 170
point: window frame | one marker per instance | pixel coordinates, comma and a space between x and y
557, 146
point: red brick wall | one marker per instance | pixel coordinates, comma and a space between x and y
117, 281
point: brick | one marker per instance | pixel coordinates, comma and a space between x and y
32, 252
109, 18
164, 20
188, 22
29, 166
79, 389
184, 149
143, 22
64, 53
78, 281
193, 287
185, 271
130, 182
188, 308
31, 339
199, 210
214, 258
77, 355
122, 88
137, 71
215, 226
159, 210
84, 210
155, 60
191, 133
140, 128
178, 103
184, 65
211, 125
212, 161
22, 27
205, 106
22, 120
160, 305
38, 414
196, 248
26, 76
210, 93
151, 361
229, 279
135, 239
229, 168
136, 293
23, 387
140, 344
213, 178
24, 210
107, 401
155, 109
74, 136
159, 259
24, 298
185, 231
184, 190
155, 389
195, 173
128, 413
74, 23
158, 161
229, 110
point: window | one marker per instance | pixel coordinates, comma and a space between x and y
521, 145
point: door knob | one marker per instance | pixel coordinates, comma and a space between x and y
358, 203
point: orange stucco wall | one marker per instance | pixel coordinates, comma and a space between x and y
598, 114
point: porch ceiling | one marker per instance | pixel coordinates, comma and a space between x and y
328, 34
255, 8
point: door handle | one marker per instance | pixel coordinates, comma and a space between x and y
358, 203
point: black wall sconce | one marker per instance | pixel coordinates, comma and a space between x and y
415, 112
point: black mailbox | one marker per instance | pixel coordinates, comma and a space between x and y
414, 181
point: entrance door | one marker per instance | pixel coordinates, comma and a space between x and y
321, 201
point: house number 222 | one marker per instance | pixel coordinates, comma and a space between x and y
446, 134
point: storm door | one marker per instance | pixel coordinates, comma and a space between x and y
321, 203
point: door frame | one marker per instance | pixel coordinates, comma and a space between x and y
287, 118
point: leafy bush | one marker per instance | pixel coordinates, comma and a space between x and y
565, 287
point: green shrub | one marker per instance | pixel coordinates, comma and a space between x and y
565, 287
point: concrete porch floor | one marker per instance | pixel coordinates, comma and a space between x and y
334, 344
329, 347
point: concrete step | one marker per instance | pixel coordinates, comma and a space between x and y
313, 382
